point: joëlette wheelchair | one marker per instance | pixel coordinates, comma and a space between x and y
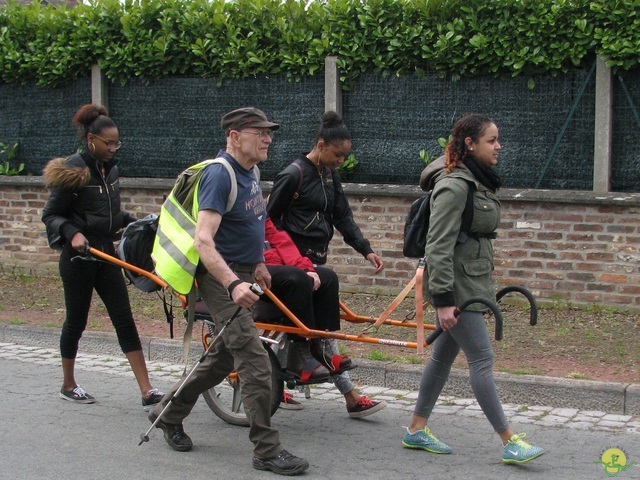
274, 320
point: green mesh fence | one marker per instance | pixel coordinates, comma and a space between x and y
172, 123
39, 120
625, 145
393, 118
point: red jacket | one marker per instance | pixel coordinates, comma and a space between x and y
283, 251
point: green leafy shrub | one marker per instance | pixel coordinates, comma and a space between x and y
616, 31
348, 166
226, 40
427, 157
7, 159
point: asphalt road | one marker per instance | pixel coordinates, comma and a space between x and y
44, 437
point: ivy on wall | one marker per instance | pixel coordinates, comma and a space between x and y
243, 38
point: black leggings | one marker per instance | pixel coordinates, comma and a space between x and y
320, 309
79, 278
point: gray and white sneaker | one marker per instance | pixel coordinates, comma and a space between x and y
153, 398
77, 395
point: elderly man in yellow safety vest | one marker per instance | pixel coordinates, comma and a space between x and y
229, 241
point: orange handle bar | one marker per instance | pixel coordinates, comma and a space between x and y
105, 256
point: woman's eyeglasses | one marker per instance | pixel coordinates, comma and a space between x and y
109, 143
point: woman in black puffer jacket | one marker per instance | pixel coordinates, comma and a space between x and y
82, 211
308, 202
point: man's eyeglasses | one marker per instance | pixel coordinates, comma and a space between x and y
109, 143
262, 134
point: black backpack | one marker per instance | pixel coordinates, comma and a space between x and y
416, 225
135, 248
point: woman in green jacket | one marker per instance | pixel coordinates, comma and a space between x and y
460, 266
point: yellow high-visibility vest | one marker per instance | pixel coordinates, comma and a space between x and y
174, 254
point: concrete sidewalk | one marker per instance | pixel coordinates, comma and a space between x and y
167, 373
552, 393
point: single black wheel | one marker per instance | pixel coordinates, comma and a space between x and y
224, 399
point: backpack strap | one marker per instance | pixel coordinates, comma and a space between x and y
233, 193
467, 214
296, 194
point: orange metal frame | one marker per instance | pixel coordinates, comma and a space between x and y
348, 315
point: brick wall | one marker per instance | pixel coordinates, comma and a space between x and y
562, 245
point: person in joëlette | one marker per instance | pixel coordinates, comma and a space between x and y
311, 292
308, 202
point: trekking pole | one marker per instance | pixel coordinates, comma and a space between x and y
144, 437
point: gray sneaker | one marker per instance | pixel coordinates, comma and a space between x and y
290, 403
518, 451
425, 440
77, 395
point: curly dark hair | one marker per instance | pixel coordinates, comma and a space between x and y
91, 118
471, 125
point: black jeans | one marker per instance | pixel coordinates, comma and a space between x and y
79, 278
318, 309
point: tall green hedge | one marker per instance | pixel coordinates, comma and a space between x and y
243, 38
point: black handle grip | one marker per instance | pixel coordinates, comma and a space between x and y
432, 338
485, 301
533, 305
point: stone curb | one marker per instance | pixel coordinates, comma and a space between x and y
611, 397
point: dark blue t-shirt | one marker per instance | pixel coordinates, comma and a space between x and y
240, 237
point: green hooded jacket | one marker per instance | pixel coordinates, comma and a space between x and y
458, 271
